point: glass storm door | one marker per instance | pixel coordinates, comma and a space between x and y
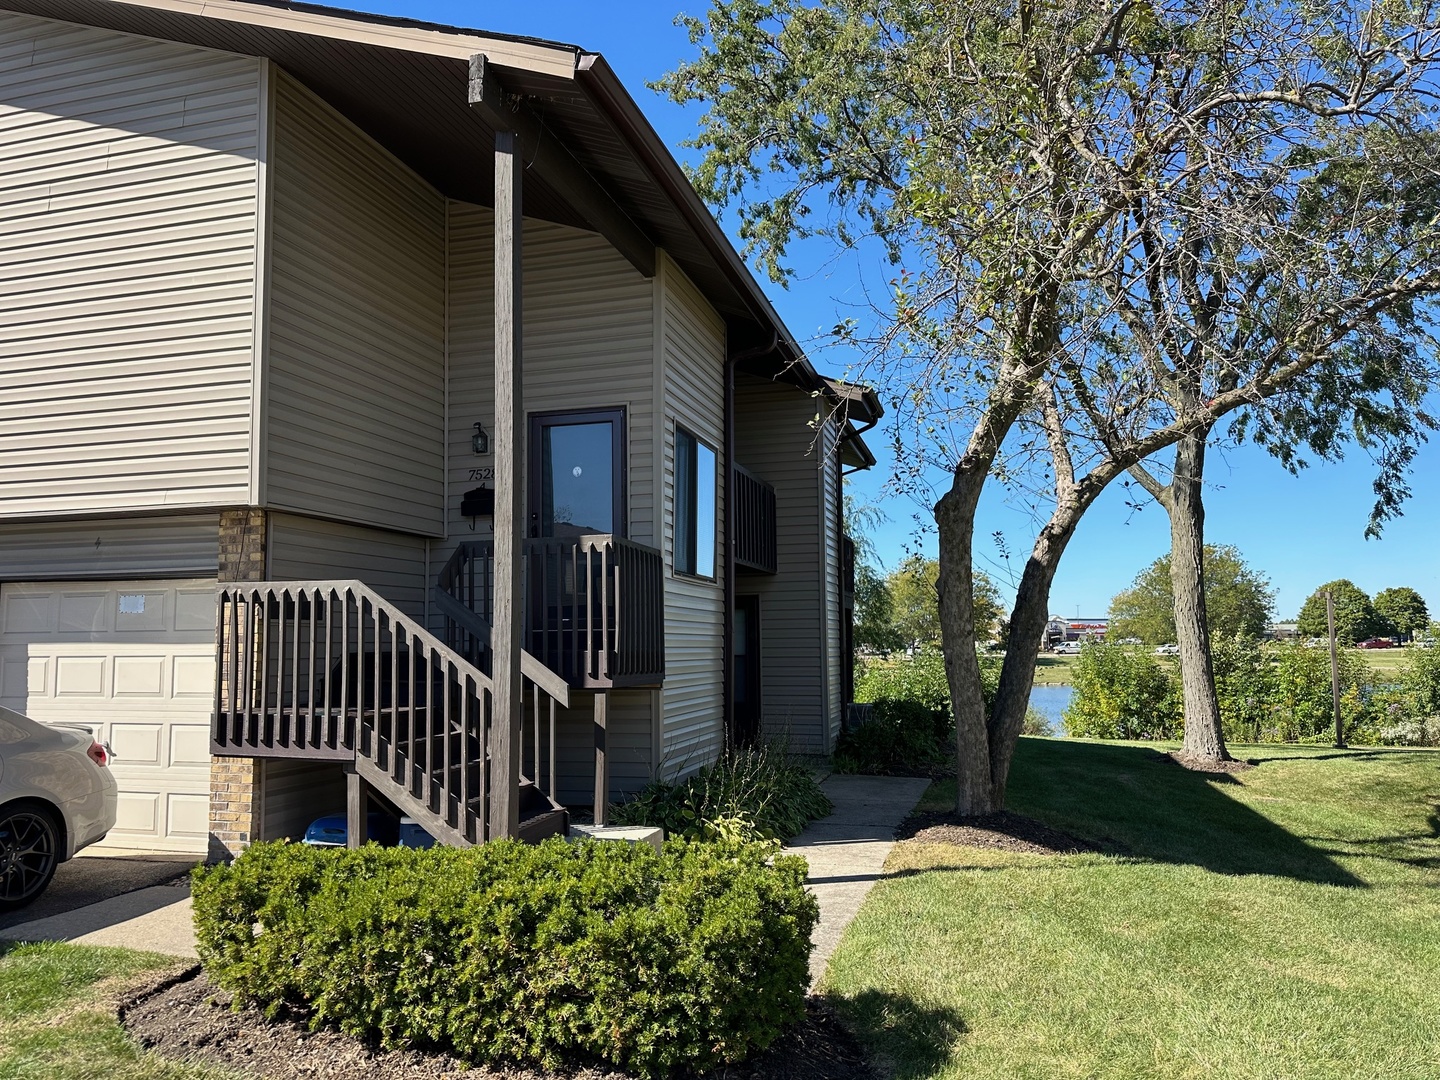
577, 481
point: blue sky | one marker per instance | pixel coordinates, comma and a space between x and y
1300, 532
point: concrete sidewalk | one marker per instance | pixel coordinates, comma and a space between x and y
156, 919
847, 850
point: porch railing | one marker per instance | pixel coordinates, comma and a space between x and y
594, 608
330, 670
756, 544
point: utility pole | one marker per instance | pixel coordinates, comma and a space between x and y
1334, 669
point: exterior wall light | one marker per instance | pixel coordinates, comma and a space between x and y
480, 442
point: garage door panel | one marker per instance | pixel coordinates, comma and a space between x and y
83, 611
135, 744
142, 611
137, 814
79, 676
140, 677
194, 676
195, 610
135, 662
190, 745
26, 614
188, 816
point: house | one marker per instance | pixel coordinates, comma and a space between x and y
385, 418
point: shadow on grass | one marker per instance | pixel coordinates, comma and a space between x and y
1134, 800
906, 1038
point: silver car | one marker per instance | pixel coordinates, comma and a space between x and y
57, 795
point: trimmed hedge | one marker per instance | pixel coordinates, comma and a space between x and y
554, 955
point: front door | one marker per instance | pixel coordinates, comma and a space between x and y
746, 668
577, 476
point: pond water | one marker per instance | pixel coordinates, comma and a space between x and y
1050, 702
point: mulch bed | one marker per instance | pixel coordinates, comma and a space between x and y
1003, 830
1197, 764
186, 1018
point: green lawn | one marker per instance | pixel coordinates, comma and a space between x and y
57, 1015
1051, 670
1284, 923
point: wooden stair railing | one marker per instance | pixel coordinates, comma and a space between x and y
594, 607
543, 690
330, 670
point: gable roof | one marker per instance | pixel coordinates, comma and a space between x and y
406, 83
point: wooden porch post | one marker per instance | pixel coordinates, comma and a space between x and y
509, 492
602, 757
357, 823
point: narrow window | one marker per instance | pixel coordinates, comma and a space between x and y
694, 506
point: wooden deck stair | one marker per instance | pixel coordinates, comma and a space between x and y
332, 671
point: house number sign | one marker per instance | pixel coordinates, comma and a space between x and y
487, 473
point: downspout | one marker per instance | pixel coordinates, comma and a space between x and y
727, 649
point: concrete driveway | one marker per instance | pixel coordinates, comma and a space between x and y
89, 878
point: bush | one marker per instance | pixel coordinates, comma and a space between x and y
900, 737
754, 794
1302, 705
1121, 692
553, 955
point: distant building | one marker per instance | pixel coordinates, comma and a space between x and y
1282, 631
1059, 628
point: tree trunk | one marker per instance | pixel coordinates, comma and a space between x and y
955, 518
1027, 632
1203, 735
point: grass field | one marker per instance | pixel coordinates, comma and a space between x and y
1282, 923
1053, 670
57, 1015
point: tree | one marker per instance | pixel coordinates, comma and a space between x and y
874, 611
1403, 610
915, 601
1355, 618
1113, 225
1238, 600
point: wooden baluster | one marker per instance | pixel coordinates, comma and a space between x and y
262, 697
313, 598
350, 729
447, 787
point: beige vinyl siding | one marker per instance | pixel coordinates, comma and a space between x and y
295, 793
589, 343
135, 547
354, 377
692, 355
628, 730
830, 541
311, 549
774, 441
128, 223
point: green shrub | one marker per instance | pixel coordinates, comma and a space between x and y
1121, 692
900, 737
752, 794
554, 955
919, 678
1302, 705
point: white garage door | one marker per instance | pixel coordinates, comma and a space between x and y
134, 661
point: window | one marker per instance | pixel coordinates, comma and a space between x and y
694, 506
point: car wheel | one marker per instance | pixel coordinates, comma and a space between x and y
29, 853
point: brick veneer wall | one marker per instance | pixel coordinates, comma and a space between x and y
235, 782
